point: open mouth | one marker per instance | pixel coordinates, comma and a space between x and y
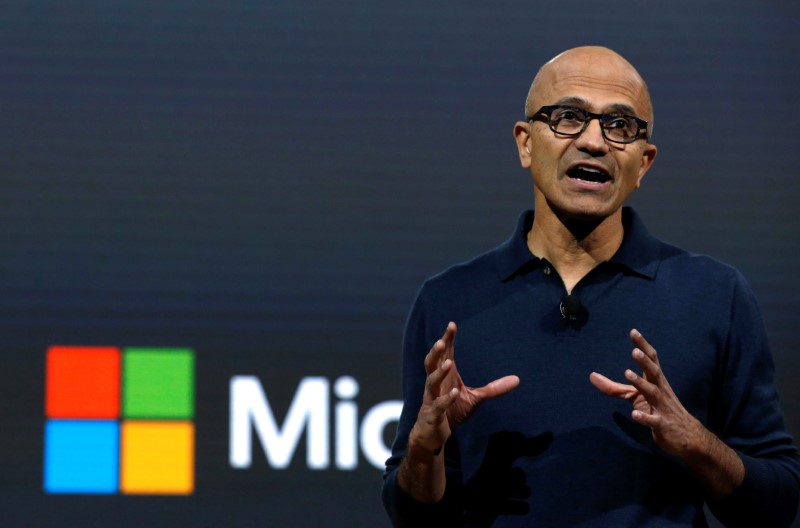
588, 174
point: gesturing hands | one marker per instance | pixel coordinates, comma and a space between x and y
675, 430
447, 402
655, 405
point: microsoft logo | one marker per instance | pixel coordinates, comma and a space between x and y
119, 421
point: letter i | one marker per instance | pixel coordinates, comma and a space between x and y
346, 388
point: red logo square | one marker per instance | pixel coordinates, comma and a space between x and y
83, 382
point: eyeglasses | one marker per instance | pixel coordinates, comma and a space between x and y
571, 121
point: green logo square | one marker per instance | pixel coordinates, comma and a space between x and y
158, 383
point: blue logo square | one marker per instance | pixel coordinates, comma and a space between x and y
81, 456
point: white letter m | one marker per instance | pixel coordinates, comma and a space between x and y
249, 405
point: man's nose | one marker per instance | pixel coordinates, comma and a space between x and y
592, 139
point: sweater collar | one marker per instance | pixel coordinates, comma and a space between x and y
639, 252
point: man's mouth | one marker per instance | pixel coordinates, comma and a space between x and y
588, 174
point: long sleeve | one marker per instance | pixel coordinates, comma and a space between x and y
749, 420
403, 510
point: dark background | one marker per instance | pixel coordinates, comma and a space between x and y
269, 182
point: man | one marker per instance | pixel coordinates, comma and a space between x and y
543, 315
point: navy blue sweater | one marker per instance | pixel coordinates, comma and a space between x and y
555, 452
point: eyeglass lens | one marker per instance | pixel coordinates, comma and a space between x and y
571, 121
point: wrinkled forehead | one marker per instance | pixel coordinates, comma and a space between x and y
600, 81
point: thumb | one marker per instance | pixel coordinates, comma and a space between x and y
498, 387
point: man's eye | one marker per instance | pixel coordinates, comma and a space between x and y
569, 115
617, 123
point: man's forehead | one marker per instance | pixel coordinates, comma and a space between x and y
616, 107
600, 92
598, 77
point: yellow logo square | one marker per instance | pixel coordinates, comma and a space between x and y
157, 457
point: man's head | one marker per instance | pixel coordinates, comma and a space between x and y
586, 175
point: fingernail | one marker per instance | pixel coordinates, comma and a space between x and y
638, 353
630, 375
636, 333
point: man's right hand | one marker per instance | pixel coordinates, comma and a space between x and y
446, 403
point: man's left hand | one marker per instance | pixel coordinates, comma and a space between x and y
655, 404
675, 430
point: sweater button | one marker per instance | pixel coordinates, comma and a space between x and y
547, 271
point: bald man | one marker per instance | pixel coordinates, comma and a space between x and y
541, 437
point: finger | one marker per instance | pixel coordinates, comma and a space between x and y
650, 420
649, 390
435, 378
435, 358
443, 402
639, 340
434, 413
611, 388
651, 369
435, 383
442, 349
497, 387
449, 339
647, 358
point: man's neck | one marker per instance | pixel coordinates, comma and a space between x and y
574, 247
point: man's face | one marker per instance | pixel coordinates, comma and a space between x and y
585, 177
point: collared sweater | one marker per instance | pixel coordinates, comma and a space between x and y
555, 452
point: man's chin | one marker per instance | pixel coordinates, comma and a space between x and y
589, 213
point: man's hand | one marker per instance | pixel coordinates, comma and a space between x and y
655, 405
446, 403
675, 430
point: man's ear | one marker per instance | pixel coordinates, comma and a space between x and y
522, 135
648, 156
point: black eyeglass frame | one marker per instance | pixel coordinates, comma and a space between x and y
547, 111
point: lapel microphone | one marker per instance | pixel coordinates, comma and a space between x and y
570, 307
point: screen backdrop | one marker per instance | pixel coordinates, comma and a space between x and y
266, 184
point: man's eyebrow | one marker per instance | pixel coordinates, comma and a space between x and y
616, 108
573, 101
621, 108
